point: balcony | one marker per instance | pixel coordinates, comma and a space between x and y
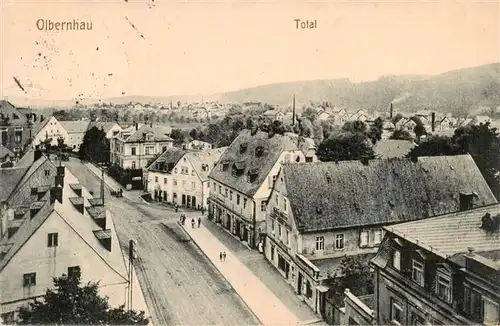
279, 215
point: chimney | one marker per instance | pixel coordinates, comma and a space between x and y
433, 121
59, 178
466, 201
42, 118
37, 154
391, 112
136, 126
56, 193
470, 251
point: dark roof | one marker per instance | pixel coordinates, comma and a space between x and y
9, 110
10, 178
75, 127
452, 234
208, 158
243, 151
4, 151
104, 126
350, 193
391, 148
160, 133
170, 157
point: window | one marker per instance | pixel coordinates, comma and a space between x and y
192, 172
134, 151
29, 279
320, 243
272, 224
417, 274
284, 205
287, 237
193, 185
273, 180
339, 241
156, 179
396, 259
164, 180
308, 289
377, 237
133, 164
244, 203
184, 184
279, 230
363, 239
184, 170
52, 240
47, 173
231, 195
277, 198
263, 206
220, 189
443, 287
175, 182
417, 319
74, 271
490, 312
396, 312
164, 149
147, 151
237, 199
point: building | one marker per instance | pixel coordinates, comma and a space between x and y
241, 181
441, 271
392, 148
198, 145
51, 225
75, 132
111, 129
15, 128
317, 213
49, 130
7, 157
181, 176
134, 148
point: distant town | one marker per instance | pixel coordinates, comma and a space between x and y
211, 213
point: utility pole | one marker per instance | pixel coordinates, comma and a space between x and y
102, 184
132, 254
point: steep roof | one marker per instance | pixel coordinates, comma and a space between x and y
452, 234
170, 157
10, 178
37, 127
9, 110
328, 195
4, 151
242, 152
75, 127
160, 133
205, 157
82, 225
391, 148
105, 126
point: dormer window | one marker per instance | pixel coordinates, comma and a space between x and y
417, 274
225, 166
243, 148
396, 259
443, 284
259, 151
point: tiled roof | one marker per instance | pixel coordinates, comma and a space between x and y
328, 195
272, 148
105, 126
9, 110
208, 157
4, 151
160, 133
170, 157
452, 234
391, 148
10, 178
75, 127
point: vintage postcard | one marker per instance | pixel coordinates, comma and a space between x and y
249, 162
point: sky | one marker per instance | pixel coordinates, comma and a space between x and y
205, 47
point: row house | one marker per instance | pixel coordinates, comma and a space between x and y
441, 271
181, 176
15, 128
242, 180
51, 225
318, 213
134, 148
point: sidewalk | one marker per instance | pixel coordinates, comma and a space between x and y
265, 305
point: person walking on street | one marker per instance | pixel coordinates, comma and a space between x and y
224, 256
220, 255
176, 208
192, 222
202, 210
199, 221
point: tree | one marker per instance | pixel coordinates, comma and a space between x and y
375, 131
401, 135
74, 303
346, 146
62, 115
356, 276
179, 136
419, 131
309, 114
95, 146
355, 126
396, 118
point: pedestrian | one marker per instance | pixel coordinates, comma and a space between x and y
176, 208
199, 221
224, 256
220, 255
192, 222
202, 210
183, 219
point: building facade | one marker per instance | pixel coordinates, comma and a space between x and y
318, 213
180, 177
49, 131
241, 181
15, 128
441, 271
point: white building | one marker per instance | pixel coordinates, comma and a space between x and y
51, 129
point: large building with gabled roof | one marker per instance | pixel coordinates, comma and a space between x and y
51, 225
320, 212
241, 181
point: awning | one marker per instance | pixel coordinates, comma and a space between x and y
322, 288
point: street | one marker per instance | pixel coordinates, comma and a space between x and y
179, 283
